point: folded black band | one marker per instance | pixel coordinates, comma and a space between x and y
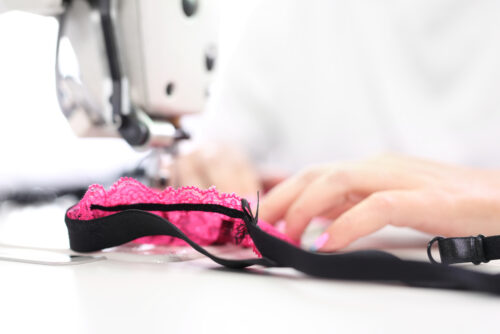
136, 222
133, 221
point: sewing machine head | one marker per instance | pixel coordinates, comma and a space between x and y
133, 68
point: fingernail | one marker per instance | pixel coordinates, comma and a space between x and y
320, 242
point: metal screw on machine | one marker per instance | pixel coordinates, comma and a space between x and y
189, 7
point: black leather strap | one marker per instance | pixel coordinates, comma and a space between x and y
479, 249
134, 221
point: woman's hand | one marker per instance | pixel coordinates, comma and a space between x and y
363, 197
215, 165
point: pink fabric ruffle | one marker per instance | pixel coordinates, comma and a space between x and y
204, 228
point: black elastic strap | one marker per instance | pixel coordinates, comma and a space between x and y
479, 249
371, 265
213, 208
125, 226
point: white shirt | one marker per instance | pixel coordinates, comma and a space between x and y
305, 82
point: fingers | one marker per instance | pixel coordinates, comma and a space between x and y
328, 191
226, 168
276, 203
271, 180
352, 200
186, 170
398, 208
335, 190
320, 197
230, 171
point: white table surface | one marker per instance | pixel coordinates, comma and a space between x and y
137, 293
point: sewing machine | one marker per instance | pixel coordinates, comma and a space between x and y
131, 68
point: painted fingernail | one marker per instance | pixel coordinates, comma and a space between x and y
320, 242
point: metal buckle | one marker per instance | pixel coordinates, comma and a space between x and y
429, 251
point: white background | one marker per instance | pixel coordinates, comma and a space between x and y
299, 82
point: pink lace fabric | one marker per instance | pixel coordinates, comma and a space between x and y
204, 228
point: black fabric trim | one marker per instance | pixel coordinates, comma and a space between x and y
133, 221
